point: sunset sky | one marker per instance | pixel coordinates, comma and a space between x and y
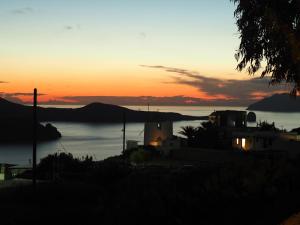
87, 49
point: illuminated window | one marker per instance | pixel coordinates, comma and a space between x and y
237, 141
243, 143
158, 125
154, 143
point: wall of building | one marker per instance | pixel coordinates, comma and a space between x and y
233, 119
245, 144
281, 142
4, 172
253, 143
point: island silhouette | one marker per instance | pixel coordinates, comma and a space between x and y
91, 113
277, 103
19, 130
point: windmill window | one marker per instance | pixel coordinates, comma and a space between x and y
159, 126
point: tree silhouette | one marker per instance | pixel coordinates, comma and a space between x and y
265, 126
189, 132
205, 135
270, 33
207, 125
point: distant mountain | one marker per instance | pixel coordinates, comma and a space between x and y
95, 112
277, 103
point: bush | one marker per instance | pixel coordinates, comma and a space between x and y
63, 163
140, 156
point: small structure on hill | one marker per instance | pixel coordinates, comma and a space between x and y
229, 119
131, 144
155, 133
160, 135
19, 169
5, 173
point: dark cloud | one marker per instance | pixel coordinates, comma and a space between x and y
23, 94
3, 82
16, 97
242, 90
72, 27
25, 10
142, 35
127, 100
144, 100
130, 100
59, 102
68, 27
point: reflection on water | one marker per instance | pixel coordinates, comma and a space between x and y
102, 141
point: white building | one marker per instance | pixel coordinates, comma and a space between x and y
265, 140
155, 133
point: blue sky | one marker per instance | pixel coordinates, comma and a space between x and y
97, 47
191, 33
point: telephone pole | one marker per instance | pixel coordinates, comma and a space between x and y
34, 144
124, 130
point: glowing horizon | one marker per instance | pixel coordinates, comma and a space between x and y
96, 48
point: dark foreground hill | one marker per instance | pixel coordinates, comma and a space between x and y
256, 191
277, 103
95, 112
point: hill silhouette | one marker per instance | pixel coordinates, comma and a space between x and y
94, 112
277, 103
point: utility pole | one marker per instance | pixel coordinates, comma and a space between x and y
34, 138
124, 130
148, 117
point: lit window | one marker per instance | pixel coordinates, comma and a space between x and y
154, 143
158, 125
243, 143
237, 141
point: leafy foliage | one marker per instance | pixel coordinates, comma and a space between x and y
205, 135
189, 132
265, 126
139, 156
270, 32
59, 163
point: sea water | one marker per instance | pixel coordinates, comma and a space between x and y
104, 140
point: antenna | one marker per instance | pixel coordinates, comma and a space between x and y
95, 157
142, 132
